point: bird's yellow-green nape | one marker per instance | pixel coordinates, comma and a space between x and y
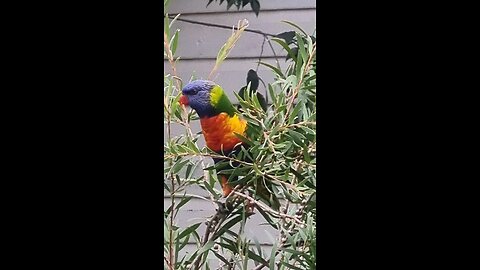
215, 95
220, 101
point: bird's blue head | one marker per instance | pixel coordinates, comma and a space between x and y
197, 95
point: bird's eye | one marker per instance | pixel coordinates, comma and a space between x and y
194, 91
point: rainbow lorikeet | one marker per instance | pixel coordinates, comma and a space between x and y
220, 122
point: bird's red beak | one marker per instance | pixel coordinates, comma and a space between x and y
183, 100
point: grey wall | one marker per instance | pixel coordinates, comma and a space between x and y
198, 47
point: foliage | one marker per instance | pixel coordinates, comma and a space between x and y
296, 39
254, 4
282, 144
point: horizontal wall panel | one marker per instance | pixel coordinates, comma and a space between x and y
199, 41
189, 6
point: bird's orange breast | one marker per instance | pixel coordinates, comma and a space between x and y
219, 131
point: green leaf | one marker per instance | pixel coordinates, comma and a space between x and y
188, 170
306, 155
267, 218
188, 230
296, 26
166, 3
244, 139
226, 48
297, 137
229, 244
256, 102
221, 258
272, 94
174, 107
290, 266
184, 243
196, 236
272, 67
296, 252
256, 258
173, 20
290, 52
299, 67
294, 113
183, 202
309, 44
179, 165
209, 188
166, 28
272, 256
227, 226
169, 209
301, 47
257, 245
207, 246
174, 44
294, 53
232, 233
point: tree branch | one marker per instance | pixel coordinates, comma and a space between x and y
221, 26
268, 209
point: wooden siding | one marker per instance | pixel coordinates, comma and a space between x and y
198, 47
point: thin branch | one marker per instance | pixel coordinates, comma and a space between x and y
229, 44
271, 177
221, 26
212, 200
268, 209
261, 53
207, 155
166, 44
274, 54
171, 262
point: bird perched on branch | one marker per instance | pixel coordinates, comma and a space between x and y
220, 121
253, 79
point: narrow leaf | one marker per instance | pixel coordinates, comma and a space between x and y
296, 26
188, 230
